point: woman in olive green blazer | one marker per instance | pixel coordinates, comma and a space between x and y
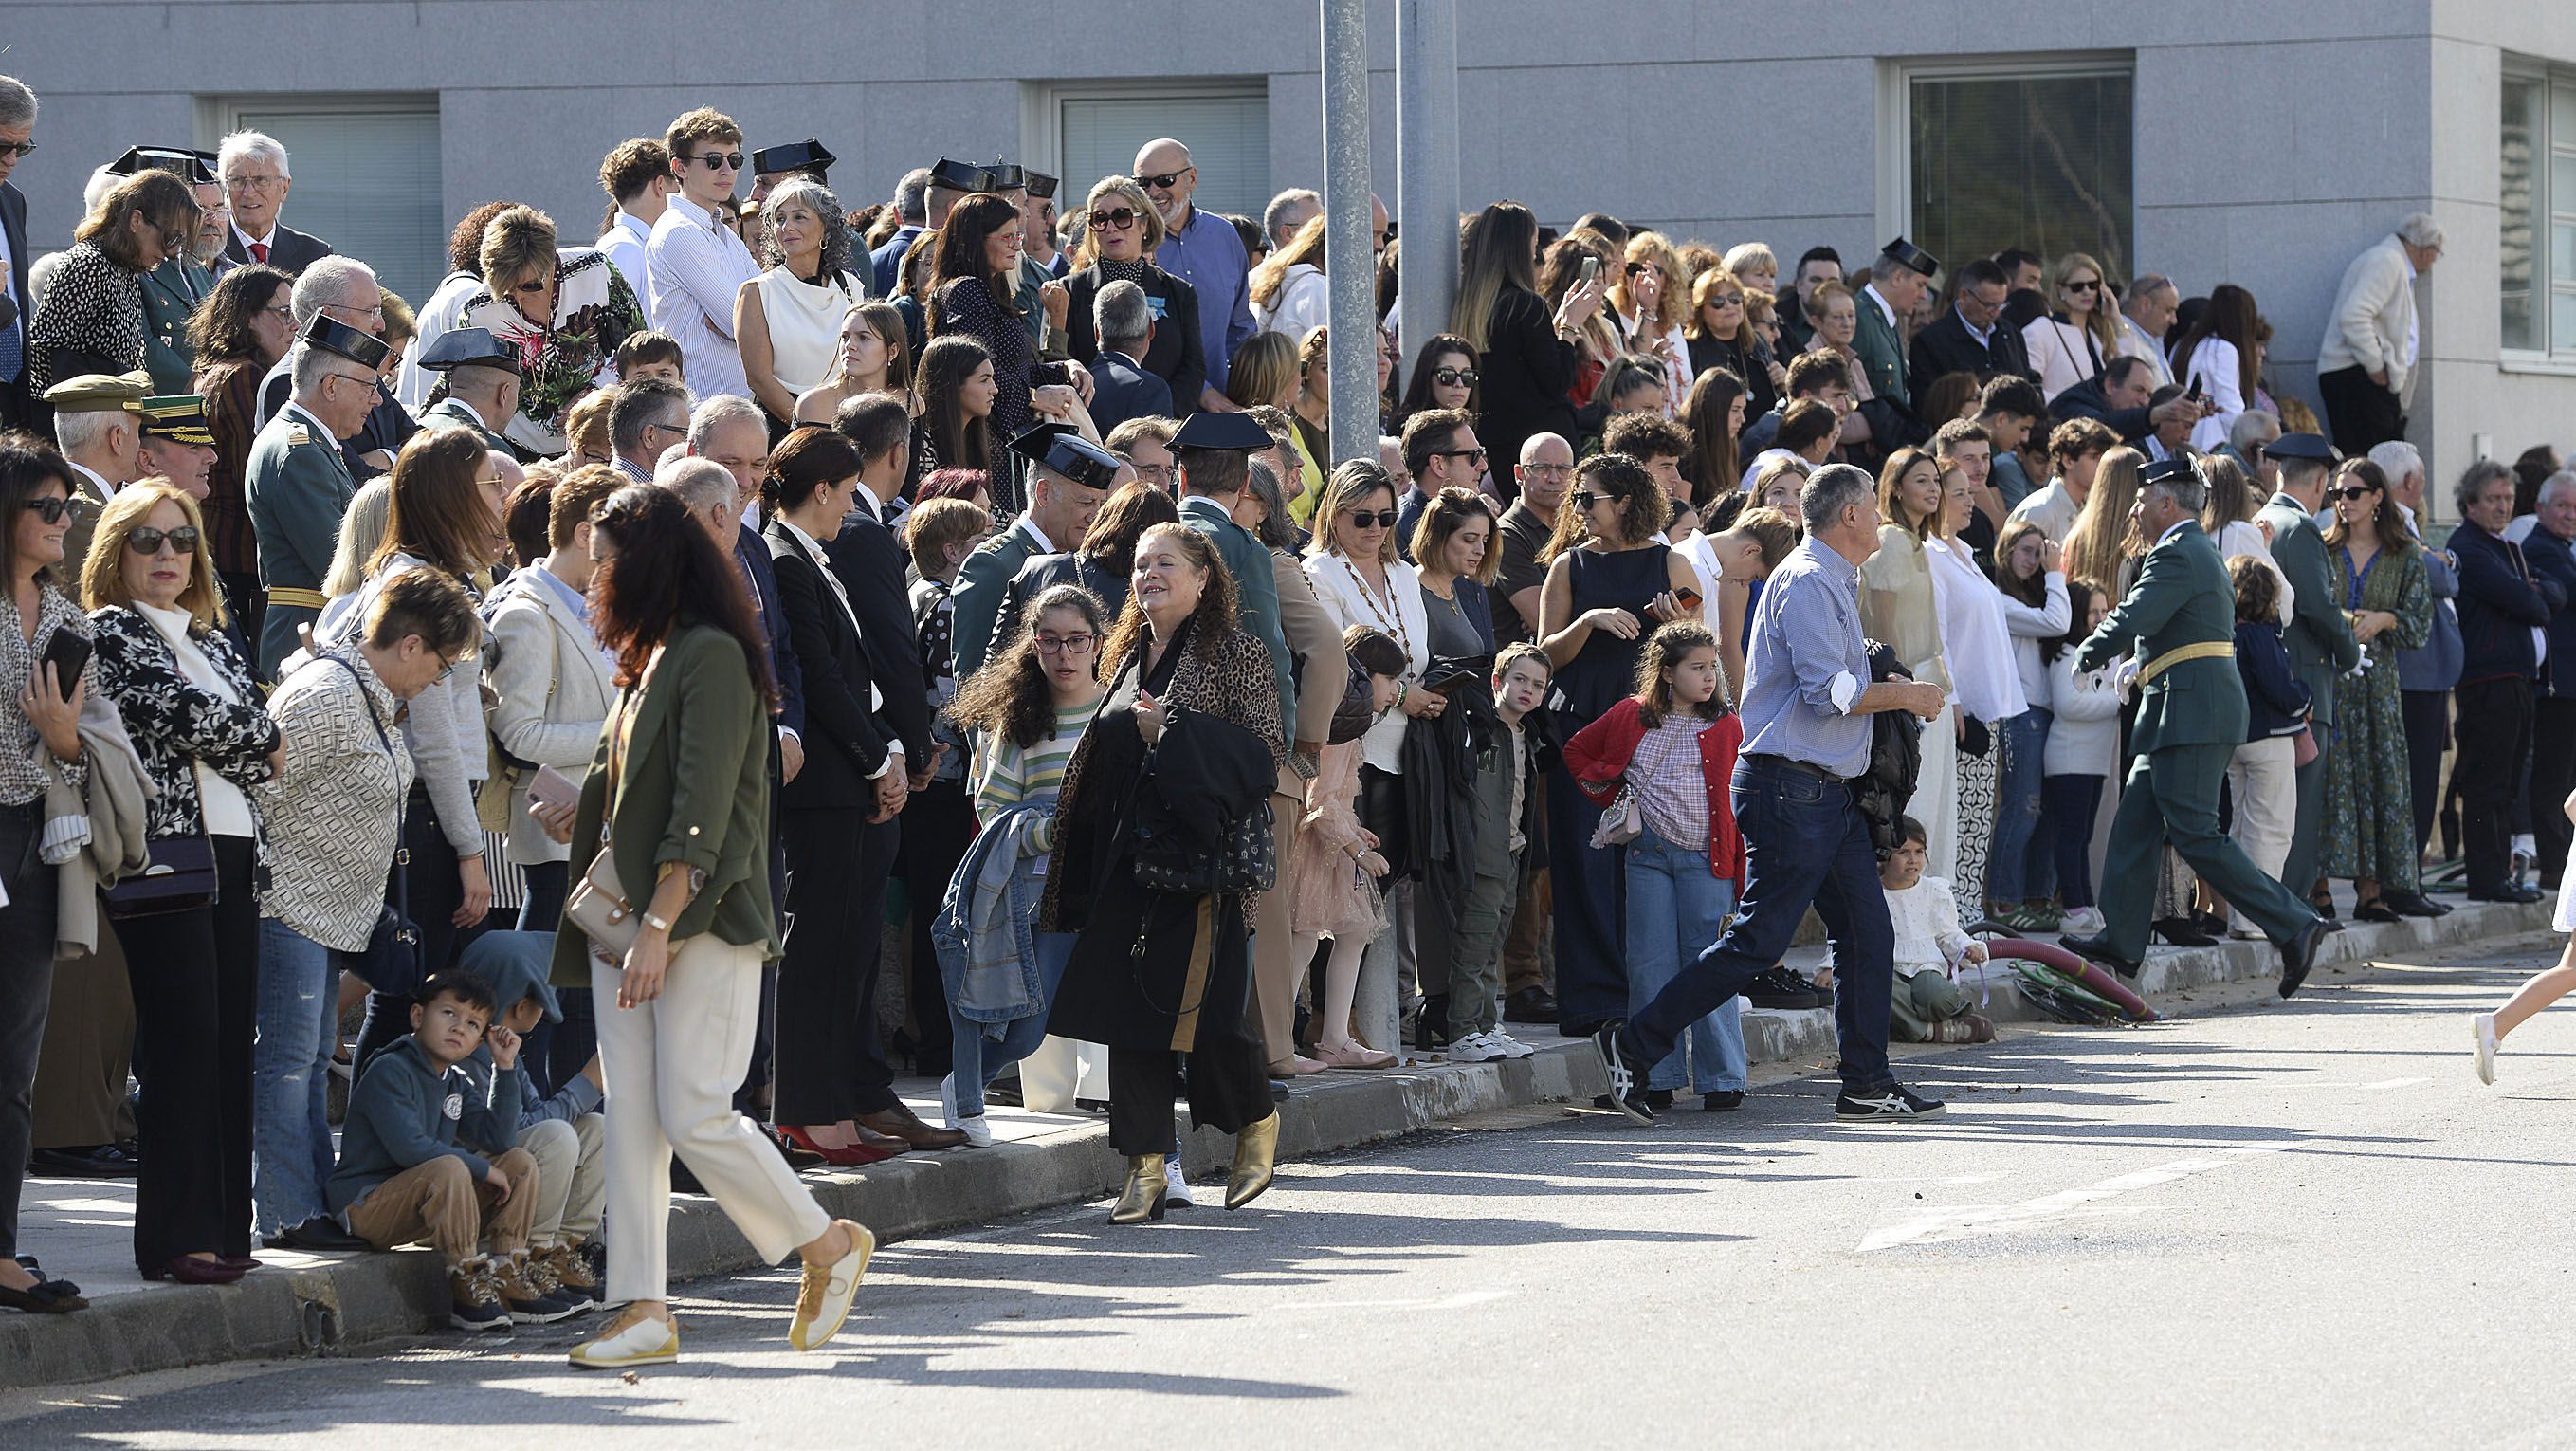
680, 798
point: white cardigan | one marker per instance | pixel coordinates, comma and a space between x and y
1298, 306
2063, 352
2373, 322
1339, 586
2212, 365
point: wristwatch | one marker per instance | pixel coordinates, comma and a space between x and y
657, 923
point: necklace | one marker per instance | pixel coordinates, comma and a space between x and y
1450, 599
1395, 625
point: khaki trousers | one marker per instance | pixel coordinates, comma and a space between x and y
1276, 966
572, 1178
441, 1201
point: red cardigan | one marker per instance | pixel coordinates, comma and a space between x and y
1599, 755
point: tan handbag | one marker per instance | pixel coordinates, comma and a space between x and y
599, 907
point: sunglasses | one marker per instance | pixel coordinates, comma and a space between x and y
1477, 454
1454, 377
1583, 499
148, 540
1164, 181
17, 148
1361, 519
2088, 285
721, 160
52, 510
1118, 220
1726, 299
2355, 491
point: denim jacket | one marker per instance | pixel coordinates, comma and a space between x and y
988, 957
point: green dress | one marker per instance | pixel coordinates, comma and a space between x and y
2370, 821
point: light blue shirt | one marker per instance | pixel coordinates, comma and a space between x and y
569, 595
1808, 664
1208, 255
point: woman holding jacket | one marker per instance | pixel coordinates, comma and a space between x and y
1187, 738
189, 704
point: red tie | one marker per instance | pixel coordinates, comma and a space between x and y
259, 251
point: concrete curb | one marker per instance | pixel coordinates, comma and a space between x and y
352, 1303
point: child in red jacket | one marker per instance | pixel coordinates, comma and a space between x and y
1671, 746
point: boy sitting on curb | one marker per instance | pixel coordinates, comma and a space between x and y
564, 1134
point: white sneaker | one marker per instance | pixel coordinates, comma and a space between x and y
2483, 1024
2081, 922
1177, 1196
824, 1294
978, 1132
1512, 1047
645, 1340
1475, 1048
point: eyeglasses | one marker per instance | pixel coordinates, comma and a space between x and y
1119, 219
1066, 644
446, 667
281, 310
1156, 474
2355, 491
148, 540
2090, 284
1477, 454
375, 313
1382, 519
50, 509
363, 379
20, 149
1454, 378
253, 183
721, 160
1164, 181
1548, 471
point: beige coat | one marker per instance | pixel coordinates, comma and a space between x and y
108, 840
552, 690
2374, 318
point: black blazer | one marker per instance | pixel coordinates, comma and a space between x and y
17, 403
289, 251
870, 562
1120, 390
844, 741
752, 553
1528, 372
1946, 346
1177, 356
2085, 400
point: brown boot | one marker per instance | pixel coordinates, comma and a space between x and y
572, 1275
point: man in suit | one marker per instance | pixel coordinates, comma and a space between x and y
1120, 387
1214, 452
256, 181
2180, 617
17, 138
1971, 337
2504, 612
1068, 478
1896, 284
731, 432
2366, 363
172, 290
96, 430
2319, 638
482, 384
298, 486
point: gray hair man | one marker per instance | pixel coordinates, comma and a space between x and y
2250, 438
2146, 316
1799, 788
1120, 387
1287, 212
648, 416
17, 138
715, 500
253, 168
2367, 361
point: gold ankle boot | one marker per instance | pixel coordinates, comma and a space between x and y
1142, 1199
1256, 1153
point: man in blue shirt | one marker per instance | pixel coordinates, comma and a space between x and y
1203, 250
1807, 703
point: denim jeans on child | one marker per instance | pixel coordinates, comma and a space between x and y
2023, 866
290, 1131
975, 1060
1675, 909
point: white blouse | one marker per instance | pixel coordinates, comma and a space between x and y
1974, 639
804, 325
1339, 585
227, 811
2212, 365
2030, 624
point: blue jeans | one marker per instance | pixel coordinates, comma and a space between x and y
1805, 844
975, 1060
290, 1131
1674, 911
2023, 865
2072, 802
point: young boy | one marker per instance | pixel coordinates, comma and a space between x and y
649, 355
564, 1134
1927, 1007
1508, 777
403, 1177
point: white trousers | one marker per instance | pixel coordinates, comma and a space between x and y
673, 1091
1062, 1070
572, 1177
1935, 802
2263, 781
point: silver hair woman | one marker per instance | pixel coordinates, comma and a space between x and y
787, 320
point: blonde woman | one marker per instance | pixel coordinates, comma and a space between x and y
1120, 233
2080, 332
2099, 545
564, 308
1650, 301
1289, 294
1900, 606
1264, 371
1754, 266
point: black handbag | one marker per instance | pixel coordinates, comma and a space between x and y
1246, 858
390, 962
178, 876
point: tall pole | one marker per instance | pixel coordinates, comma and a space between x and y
1426, 161
1348, 266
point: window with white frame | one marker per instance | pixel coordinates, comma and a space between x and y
2027, 151
2536, 211
366, 178
1095, 130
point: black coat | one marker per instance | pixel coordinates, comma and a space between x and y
18, 405
1177, 355
1527, 374
845, 743
1753, 365
870, 562
1946, 346
2084, 400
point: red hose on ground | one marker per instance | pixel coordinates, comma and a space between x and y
2092, 976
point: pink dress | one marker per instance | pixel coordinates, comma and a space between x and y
1329, 891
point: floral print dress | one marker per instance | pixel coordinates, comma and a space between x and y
2370, 818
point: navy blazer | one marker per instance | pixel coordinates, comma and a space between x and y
289, 251
2553, 567
2499, 605
1120, 390
870, 563
17, 404
2276, 700
752, 552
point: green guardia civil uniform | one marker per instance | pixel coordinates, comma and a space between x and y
1882, 356
171, 293
448, 413
298, 486
2180, 620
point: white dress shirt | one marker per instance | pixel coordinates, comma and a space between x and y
623, 245
695, 267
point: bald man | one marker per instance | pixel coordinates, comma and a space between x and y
1203, 250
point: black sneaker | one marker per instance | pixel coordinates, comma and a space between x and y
1778, 987
1723, 1101
1625, 1094
1893, 1104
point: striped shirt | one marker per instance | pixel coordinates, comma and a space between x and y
1808, 663
1009, 775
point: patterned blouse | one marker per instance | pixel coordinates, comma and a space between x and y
966, 306
594, 311
178, 724
92, 310
22, 776
333, 818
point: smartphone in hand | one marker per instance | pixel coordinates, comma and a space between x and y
551, 787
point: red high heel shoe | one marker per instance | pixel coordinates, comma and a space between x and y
849, 1158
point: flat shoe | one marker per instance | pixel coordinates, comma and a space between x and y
1297, 1065
823, 1299
1354, 1056
641, 1341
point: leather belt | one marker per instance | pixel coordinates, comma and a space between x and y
2201, 650
1803, 768
297, 599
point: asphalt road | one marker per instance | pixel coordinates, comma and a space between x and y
2278, 1225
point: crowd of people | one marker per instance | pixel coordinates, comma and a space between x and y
1020, 597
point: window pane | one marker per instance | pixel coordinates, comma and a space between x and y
2041, 163
367, 183
2562, 321
1228, 137
2518, 206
